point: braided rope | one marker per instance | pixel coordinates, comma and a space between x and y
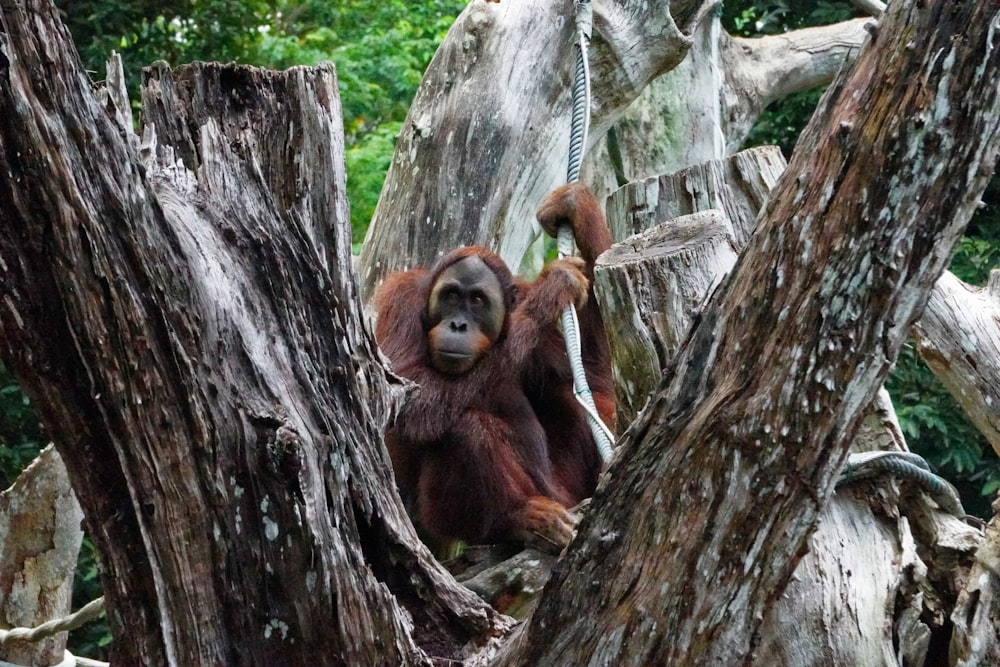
85, 614
577, 144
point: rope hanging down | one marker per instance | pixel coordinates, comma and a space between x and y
577, 145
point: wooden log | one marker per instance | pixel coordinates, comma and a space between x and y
737, 185
650, 285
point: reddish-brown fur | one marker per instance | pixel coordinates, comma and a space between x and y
499, 452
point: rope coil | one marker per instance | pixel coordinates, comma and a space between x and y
907, 466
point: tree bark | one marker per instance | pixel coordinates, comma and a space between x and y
740, 448
40, 535
976, 639
761, 70
188, 325
959, 339
682, 233
651, 286
737, 185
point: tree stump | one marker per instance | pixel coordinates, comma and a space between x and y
649, 286
737, 185
40, 537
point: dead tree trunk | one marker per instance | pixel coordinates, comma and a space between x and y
911, 556
704, 108
651, 285
976, 639
738, 453
184, 316
475, 158
681, 233
474, 173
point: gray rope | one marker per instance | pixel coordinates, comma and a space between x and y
581, 92
85, 614
907, 466
577, 145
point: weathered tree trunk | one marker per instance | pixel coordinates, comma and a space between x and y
467, 173
976, 638
738, 452
682, 232
650, 286
188, 325
655, 282
40, 537
959, 339
737, 185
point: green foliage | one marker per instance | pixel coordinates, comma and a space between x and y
21, 435
936, 428
772, 17
179, 32
934, 424
367, 162
783, 121
975, 257
381, 51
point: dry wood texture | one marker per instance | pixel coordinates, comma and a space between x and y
487, 135
188, 324
959, 338
739, 451
184, 314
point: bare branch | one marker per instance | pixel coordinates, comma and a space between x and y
959, 339
761, 70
